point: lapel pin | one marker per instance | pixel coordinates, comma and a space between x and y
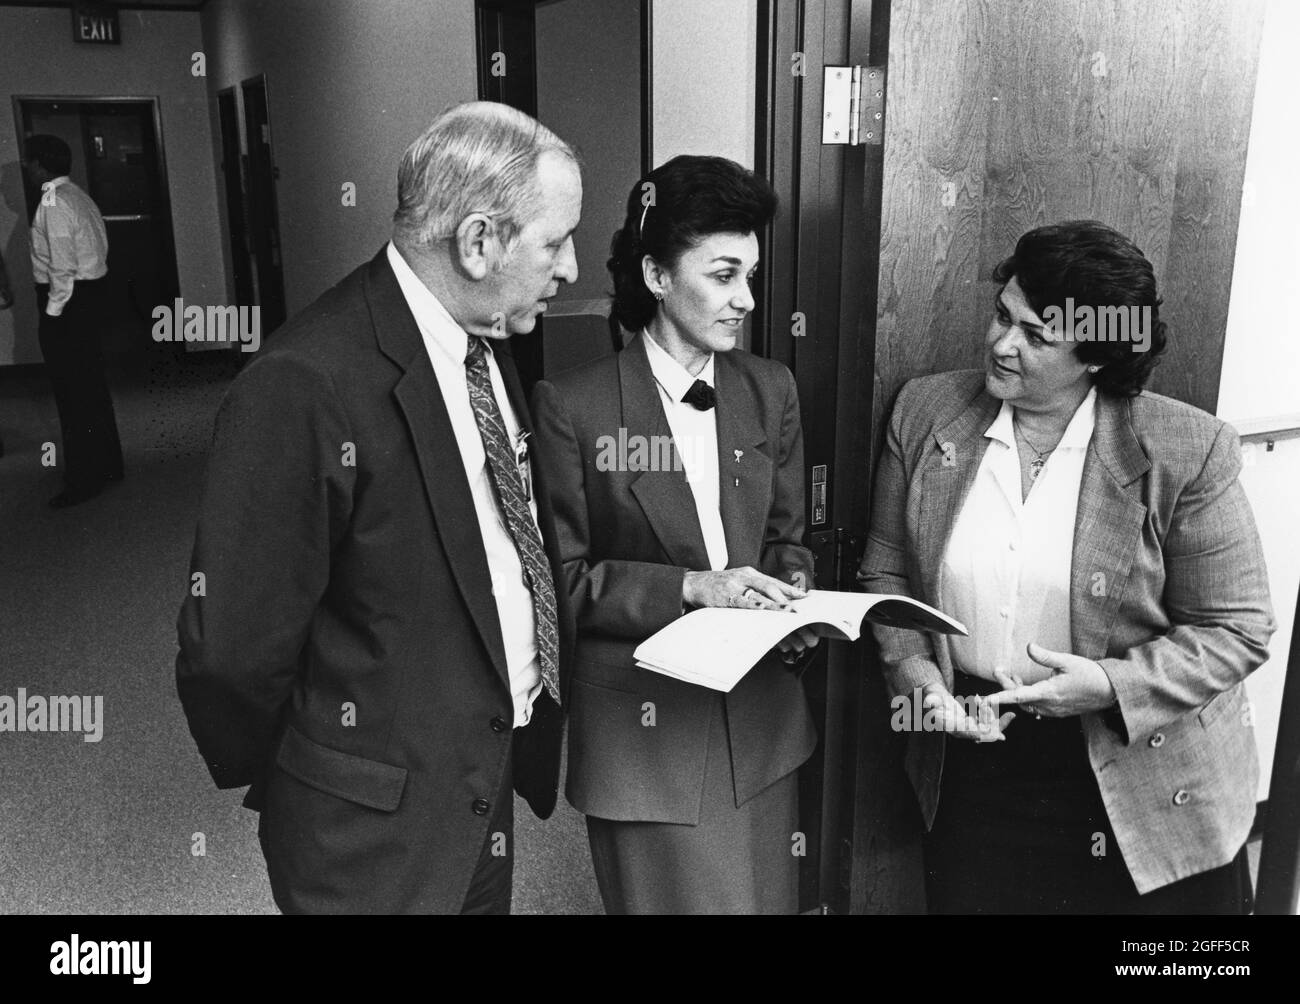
739, 454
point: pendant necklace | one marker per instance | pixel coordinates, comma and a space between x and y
1040, 456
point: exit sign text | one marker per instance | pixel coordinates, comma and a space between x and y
95, 24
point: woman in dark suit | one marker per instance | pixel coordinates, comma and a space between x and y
1094, 539
690, 794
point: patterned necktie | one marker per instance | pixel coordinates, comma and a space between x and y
519, 519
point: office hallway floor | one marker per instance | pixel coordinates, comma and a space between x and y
88, 604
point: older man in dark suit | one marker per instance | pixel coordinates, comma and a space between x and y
373, 640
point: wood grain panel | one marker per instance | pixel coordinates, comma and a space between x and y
1004, 116
936, 123
1082, 123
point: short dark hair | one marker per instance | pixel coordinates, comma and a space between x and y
1095, 266
50, 152
671, 210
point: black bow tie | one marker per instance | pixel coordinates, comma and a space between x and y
700, 396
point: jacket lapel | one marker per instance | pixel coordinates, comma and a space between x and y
949, 470
446, 487
665, 495
744, 471
1107, 527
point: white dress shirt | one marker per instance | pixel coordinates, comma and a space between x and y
447, 344
695, 435
1006, 569
69, 241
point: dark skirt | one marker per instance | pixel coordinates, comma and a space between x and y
1021, 828
736, 860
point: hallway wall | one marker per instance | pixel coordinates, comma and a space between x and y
349, 86
40, 59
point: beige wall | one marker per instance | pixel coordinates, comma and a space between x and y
705, 78
40, 59
1259, 389
349, 86
1260, 383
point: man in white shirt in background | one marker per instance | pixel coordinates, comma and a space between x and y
69, 262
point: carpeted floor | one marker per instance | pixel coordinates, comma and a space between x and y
88, 604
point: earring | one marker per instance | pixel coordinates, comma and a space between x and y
659, 295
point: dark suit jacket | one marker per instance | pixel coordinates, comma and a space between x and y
627, 538
1168, 593
345, 658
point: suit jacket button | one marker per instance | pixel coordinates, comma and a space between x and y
1156, 741
498, 724
1181, 797
481, 806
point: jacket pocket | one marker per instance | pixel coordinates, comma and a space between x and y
612, 674
367, 782
1219, 705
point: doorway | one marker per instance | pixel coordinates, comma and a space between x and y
263, 208
234, 174
550, 59
117, 159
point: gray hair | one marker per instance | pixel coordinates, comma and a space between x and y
477, 157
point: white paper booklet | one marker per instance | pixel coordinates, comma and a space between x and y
716, 646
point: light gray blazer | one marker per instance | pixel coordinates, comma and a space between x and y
1169, 594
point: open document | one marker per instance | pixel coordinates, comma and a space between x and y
716, 646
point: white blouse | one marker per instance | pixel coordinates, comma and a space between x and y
695, 437
1006, 569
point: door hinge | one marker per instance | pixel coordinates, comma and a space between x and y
853, 105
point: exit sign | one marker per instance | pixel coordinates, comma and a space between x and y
95, 24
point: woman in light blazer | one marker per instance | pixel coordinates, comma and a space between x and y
1091, 747
690, 794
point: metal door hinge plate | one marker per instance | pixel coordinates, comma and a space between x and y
853, 105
